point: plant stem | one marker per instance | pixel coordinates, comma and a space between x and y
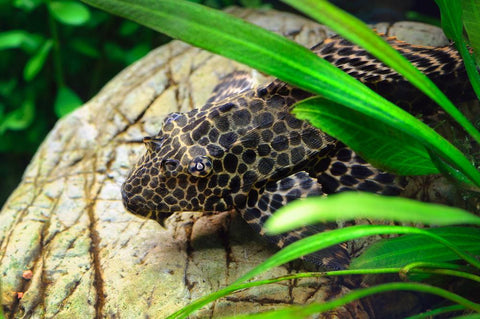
433, 313
57, 60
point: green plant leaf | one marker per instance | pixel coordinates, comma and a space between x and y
20, 118
27, 5
324, 240
36, 62
451, 14
71, 13
451, 17
471, 21
12, 39
8, 86
136, 53
19, 39
377, 142
400, 251
352, 205
85, 47
358, 32
451, 172
128, 28
403, 151
67, 101
309, 245
306, 311
435, 312
114, 52
226, 35
254, 4
471, 316
236, 39
420, 17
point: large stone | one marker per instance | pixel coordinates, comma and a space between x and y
90, 258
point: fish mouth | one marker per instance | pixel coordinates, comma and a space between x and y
136, 206
147, 213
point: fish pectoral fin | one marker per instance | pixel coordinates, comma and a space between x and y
263, 202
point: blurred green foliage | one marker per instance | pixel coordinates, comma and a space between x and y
50, 63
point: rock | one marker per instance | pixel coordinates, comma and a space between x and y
88, 256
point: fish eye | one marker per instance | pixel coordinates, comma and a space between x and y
200, 166
170, 164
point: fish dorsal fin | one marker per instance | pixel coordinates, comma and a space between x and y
353, 59
232, 84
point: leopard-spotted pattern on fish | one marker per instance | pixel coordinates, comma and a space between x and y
244, 150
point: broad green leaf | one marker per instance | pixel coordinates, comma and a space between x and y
19, 39
20, 118
379, 143
400, 251
66, 101
451, 13
352, 205
12, 39
36, 62
71, 13
471, 21
234, 38
358, 32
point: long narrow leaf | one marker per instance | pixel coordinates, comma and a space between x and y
202, 301
400, 251
399, 143
358, 32
305, 311
471, 21
352, 205
432, 313
271, 53
307, 246
231, 37
451, 12
323, 240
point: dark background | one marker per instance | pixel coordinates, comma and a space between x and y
93, 53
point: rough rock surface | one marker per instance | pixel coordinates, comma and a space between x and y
89, 257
